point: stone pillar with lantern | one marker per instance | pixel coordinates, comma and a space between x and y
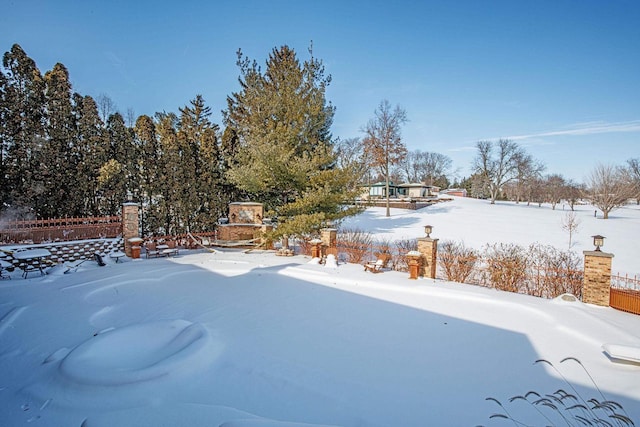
596, 286
428, 248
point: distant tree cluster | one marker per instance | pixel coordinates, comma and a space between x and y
504, 170
65, 154
609, 187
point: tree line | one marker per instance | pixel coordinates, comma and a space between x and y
67, 154
504, 170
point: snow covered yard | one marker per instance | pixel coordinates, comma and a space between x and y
240, 340
233, 339
477, 223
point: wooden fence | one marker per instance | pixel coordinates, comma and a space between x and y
625, 293
60, 229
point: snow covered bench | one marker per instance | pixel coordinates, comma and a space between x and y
152, 250
168, 249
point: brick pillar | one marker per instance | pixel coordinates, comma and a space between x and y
129, 225
329, 238
413, 261
597, 278
428, 248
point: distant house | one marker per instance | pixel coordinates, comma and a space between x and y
408, 190
417, 190
378, 190
460, 192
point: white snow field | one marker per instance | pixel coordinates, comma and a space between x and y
251, 339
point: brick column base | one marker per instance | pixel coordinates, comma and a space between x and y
428, 247
130, 221
597, 278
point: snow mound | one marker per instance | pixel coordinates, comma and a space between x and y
566, 299
331, 261
626, 353
138, 353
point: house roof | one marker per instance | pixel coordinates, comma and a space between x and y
405, 185
378, 184
416, 185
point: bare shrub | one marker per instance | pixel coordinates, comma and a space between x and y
355, 243
506, 265
457, 261
304, 245
539, 270
402, 247
562, 273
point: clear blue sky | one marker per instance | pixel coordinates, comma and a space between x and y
562, 78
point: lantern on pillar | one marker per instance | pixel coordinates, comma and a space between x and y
598, 241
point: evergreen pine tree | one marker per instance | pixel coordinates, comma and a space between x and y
91, 146
59, 169
229, 144
194, 121
5, 193
120, 151
167, 194
285, 156
23, 133
148, 166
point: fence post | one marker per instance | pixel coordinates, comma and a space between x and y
428, 248
129, 225
596, 288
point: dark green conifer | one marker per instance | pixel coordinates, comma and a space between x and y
285, 155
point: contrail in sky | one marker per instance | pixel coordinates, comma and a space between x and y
585, 129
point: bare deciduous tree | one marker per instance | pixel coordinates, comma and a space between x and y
497, 164
633, 166
609, 187
106, 106
131, 117
570, 224
428, 167
573, 192
528, 172
554, 186
350, 156
383, 141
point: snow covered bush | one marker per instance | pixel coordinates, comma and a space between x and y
355, 243
553, 272
538, 270
457, 261
400, 256
506, 266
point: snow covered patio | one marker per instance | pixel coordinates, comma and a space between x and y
240, 339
